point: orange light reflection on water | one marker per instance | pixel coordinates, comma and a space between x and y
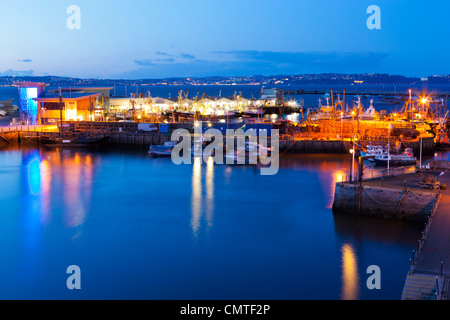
350, 276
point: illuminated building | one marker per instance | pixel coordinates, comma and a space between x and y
73, 107
28, 91
101, 104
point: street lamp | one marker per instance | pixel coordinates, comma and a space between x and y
410, 100
421, 139
352, 151
390, 127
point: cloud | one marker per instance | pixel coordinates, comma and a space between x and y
163, 54
145, 63
25, 60
14, 73
308, 59
252, 62
187, 56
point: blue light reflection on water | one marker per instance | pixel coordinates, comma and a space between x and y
144, 228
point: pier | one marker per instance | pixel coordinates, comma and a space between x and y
413, 197
429, 274
394, 196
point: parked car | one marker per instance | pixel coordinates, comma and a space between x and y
148, 127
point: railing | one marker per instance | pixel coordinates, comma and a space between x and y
18, 128
380, 173
416, 254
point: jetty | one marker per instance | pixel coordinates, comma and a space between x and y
429, 274
421, 196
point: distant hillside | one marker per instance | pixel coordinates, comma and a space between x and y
329, 78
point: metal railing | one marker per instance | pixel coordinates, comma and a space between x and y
17, 128
379, 173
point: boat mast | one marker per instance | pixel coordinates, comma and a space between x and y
60, 114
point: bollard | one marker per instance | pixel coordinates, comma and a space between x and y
382, 182
410, 267
437, 287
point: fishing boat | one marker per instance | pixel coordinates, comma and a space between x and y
71, 142
373, 151
253, 113
256, 147
405, 159
163, 150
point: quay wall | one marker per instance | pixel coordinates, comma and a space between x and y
314, 146
127, 133
338, 146
392, 203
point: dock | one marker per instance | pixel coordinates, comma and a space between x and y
416, 196
395, 195
429, 274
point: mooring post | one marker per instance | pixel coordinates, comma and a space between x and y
437, 287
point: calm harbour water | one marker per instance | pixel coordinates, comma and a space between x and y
143, 228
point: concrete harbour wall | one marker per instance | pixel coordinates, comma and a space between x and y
392, 203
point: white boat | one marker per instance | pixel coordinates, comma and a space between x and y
405, 159
162, 151
374, 151
255, 147
197, 150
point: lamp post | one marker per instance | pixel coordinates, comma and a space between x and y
389, 147
410, 98
421, 139
353, 159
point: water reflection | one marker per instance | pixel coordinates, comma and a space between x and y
350, 275
45, 191
196, 206
77, 178
198, 198
209, 191
64, 173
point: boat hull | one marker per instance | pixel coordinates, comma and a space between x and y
395, 163
71, 143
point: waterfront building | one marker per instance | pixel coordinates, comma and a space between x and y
68, 106
102, 102
139, 108
40, 106
28, 106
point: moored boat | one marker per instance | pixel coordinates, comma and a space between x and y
71, 142
373, 151
163, 150
405, 159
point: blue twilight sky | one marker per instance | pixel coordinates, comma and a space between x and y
155, 38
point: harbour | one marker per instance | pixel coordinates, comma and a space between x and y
115, 208
387, 208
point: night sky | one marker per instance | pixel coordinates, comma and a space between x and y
154, 39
